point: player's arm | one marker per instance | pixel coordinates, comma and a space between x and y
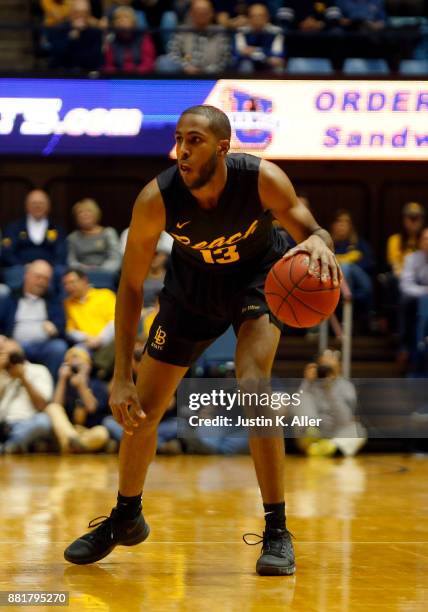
277, 195
148, 220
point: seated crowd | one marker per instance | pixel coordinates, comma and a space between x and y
57, 302
204, 36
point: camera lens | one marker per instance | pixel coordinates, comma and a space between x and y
15, 358
323, 371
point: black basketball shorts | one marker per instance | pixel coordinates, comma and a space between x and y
197, 306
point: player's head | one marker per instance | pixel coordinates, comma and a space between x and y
37, 204
413, 219
76, 283
202, 141
258, 16
342, 227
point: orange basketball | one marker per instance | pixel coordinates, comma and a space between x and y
295, 297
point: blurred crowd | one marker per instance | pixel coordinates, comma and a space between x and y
207, 37
57, 302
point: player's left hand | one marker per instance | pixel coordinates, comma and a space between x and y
321, 255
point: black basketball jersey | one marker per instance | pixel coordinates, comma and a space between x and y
233, 233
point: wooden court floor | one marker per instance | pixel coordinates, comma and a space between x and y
360, 527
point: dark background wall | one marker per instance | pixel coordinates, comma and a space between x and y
373, 191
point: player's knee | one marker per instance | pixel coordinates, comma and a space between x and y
253, 378
153, 416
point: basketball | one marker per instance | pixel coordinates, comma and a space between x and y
295, 297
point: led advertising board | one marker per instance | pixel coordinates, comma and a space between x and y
276, 119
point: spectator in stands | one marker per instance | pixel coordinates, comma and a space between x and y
203, 50
25, 390
116, 4
362, 15
128, 49
328, 396
259, 46
76, 44
398, 247
35, 318
307, 16
80, 403
414, 276
34, 236
89, 312
414, 304
355, 257
93, 248
407, 240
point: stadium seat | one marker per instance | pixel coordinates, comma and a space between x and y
359, 65
413, 66
309, 65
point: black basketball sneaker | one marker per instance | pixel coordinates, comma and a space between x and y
277, 557
108, 533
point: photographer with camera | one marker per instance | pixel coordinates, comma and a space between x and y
79, 405
25, 390
328, 396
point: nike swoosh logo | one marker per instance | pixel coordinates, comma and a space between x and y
181, 225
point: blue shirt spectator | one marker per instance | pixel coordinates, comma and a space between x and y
35, 236
36, 319
260, 45
357, 252
355, 257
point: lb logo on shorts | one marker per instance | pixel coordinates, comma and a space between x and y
159, 339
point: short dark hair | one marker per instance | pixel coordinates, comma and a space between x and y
76, 271
219, 121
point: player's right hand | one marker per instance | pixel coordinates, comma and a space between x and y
125, 406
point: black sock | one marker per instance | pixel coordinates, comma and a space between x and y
129, 507
275, 515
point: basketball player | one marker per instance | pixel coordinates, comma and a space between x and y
219, 209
